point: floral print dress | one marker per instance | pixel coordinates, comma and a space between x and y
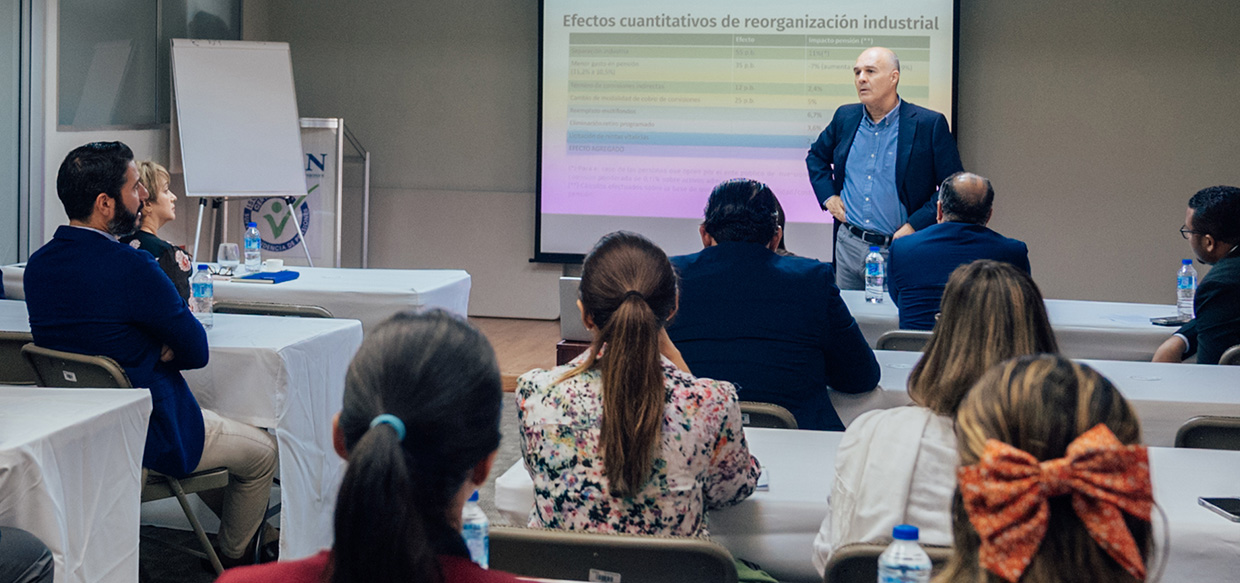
704, 463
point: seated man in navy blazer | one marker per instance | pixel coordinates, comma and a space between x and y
87, 293
1212, 227
773, 325
919, 264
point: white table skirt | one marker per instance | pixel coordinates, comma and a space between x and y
285, 374
1164, 395
70, 474
1084, 329
776, 529
368, 295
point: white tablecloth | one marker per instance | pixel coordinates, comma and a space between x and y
368, 295
285, 374
1084, 329
70, 473
776, 528
1164, 395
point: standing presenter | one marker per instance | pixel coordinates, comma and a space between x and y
877, 166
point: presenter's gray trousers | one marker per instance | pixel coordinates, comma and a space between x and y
850, 252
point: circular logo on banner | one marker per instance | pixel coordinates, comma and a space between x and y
274, 221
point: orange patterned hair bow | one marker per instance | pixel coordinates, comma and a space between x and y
1005, 495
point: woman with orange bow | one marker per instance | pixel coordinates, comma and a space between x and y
1053, 486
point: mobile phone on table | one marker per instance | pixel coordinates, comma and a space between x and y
1228, 508
1170, 321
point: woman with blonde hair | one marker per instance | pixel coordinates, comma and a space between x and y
1054, 486
624, 438
158, 209
897, 466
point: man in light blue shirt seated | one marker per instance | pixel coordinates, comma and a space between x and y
920, 264
877, 164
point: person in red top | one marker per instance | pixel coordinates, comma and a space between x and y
419, 428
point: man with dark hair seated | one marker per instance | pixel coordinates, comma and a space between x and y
918, 265
1212, 227
90, 294
773, 325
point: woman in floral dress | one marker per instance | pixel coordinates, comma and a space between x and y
624, 438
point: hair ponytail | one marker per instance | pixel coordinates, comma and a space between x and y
633, 396
438, 376
380, 532
628, 289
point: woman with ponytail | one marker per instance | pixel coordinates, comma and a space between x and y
419, 428
624, 438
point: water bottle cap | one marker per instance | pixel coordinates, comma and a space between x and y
251, 224
204, 267
473, 497
873, 247
904, 532
1186, 262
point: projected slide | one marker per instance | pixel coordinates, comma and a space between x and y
647, 105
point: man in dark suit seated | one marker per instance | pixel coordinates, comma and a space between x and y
919, 264
1212, 227
89, 294
773, 325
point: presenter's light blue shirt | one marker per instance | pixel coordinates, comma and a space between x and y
870, 197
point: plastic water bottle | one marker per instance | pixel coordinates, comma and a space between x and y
904, 561
253, 248
1185, 288
875, 275
201, 296
474, 529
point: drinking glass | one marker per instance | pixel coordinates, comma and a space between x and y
229, 257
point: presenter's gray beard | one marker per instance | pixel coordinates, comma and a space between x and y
125, 223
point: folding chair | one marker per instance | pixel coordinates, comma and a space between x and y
1209, 432
59, 369
270, 309
582, 556
906, 340
757, 414
1231, 356
858, 562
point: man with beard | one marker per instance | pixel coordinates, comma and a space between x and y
90, 294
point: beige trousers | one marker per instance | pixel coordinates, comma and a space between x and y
249, 453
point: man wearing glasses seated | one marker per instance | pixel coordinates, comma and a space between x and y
1212, 227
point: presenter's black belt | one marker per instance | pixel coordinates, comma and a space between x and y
869, 236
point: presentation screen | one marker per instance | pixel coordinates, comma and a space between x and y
646, 105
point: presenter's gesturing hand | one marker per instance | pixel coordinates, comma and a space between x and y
835, 206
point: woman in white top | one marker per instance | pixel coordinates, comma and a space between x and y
898, 466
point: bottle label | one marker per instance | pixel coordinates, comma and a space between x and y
1185, 282
874, 269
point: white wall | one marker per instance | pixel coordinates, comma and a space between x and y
1096, 122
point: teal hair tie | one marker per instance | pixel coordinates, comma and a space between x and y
394, 421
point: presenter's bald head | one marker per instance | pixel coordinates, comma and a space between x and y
876, 75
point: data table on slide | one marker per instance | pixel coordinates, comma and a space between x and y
718, 95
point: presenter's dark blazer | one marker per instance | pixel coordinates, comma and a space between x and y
925, 155
88, 294
1217, 306
919, 264
774, 326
